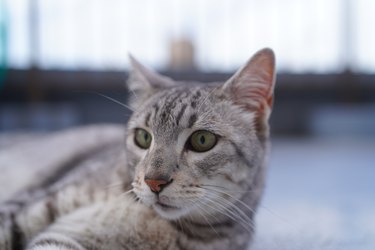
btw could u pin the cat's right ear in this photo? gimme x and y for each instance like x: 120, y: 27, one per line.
x: 252, y: 86
x: 143, y: 82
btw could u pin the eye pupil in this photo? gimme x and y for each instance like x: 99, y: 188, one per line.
x: 202, y: 139
x: 146, y: 137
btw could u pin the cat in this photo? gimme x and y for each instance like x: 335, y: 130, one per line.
x: 189, y: 174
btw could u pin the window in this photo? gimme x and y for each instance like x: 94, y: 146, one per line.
x: 308, y: 36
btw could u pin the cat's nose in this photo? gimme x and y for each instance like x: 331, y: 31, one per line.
x: 158, y: 184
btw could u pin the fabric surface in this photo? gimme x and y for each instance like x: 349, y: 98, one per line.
x: 320, y: 192
x: 26, y: 158
x: 320, y: 195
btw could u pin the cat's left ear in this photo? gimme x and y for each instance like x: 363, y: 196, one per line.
x: 252, y: 86
x: 143, y: 82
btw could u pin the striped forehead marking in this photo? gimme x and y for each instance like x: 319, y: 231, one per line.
x: 172, y: 107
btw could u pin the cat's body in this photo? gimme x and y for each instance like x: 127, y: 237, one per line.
x: 194, y: 160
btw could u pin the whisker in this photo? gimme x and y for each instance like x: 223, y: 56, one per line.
x: 249, y: 208
x: 206, y: 99
x: 224, y: 203
x: 205, y: 218
x: 231, y: 190
x: 182, y: 228
x: 125, y: 193
x: 252, y: 210
x: 277, y: 216
x: 231, y: 205
x: 238, y: 211
x: 229, y: 213
x: 236, y: 199
x: 116, y: 101
x: 133, y: 92
x: 109, y: 98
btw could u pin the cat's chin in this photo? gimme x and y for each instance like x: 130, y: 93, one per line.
x: 169, y: 212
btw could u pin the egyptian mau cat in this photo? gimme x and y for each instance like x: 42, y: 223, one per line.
x: 189, y: 175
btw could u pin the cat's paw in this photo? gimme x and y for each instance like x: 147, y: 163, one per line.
x: 54, y: 241
x: 52, y: 247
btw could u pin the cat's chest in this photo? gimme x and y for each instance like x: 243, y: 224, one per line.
x: 129, y: 223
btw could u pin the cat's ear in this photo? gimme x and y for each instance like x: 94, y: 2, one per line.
x: 252, y: 86
x: 143, y: 82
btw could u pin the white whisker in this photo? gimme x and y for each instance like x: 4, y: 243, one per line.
x: 205, y: 218
x: 125, y: 193
x: 116, y: 101
x: 206, y: 99
x: 133, y: 92
x: 229, y: 213
x: 109, y: 98
x: 236, y: 199
x: 232, y: 190
x: 236, y: 208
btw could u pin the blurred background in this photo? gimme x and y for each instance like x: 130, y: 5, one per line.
x: 54, y: 54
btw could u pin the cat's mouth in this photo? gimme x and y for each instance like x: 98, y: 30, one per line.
x: 165, y: 207
x: 168, y: 211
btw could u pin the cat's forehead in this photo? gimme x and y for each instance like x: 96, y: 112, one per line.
x: 169, y: 111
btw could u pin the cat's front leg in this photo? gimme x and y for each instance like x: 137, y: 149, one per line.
x: 118, y: 224
x: 54, y: 241
x: 5, y: 232
x: 82, y: 229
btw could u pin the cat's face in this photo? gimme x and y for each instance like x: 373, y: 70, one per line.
x: 196, y: 147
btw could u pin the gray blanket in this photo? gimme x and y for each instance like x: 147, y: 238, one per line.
x: 320, y: 193
x: 28, y: 158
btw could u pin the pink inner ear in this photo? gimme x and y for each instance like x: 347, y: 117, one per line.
x: 253, y: 92
x: 252, y: 86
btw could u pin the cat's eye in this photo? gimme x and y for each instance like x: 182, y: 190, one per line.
x: 202, y: 141
x: 142, y: 138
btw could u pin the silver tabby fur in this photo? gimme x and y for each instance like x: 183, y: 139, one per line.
x: 95, y: 197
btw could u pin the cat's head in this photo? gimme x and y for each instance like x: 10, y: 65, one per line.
x: 196, y: 147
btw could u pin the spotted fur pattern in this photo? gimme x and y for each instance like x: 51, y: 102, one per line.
x: 101, y: 200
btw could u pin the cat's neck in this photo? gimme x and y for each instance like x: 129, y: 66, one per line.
x: 204, y: 228
x: 225, y: 228
x: 211, y: 234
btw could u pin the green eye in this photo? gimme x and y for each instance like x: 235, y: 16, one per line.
x: 202, y: 141
x: 142, y: 138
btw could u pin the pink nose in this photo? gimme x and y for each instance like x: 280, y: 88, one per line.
x: 157, y: 186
